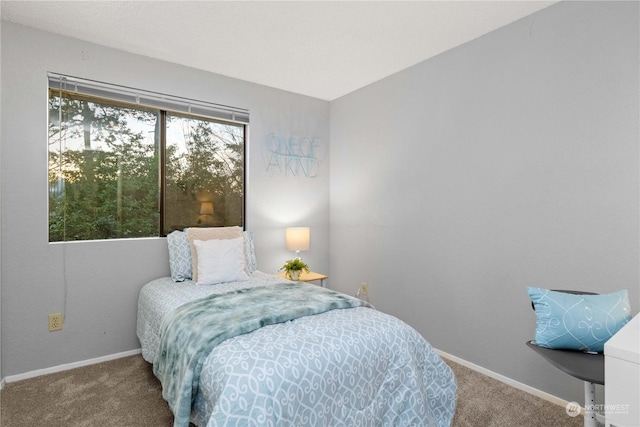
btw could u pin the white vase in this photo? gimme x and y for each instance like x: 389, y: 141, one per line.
x: 294, y: 275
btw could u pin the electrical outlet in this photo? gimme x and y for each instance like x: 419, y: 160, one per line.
x: 55, y: 322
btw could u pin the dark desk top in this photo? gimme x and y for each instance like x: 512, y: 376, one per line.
x: 585, y: 366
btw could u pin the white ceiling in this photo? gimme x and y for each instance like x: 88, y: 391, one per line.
x: 323, y: 49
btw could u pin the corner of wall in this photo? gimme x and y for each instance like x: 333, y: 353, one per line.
x: 1, y: 376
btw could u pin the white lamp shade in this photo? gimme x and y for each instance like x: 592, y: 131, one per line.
x: 297, y: 238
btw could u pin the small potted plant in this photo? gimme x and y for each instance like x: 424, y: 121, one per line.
x: 293, y: 267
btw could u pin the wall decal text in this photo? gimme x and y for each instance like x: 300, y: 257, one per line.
x: 292, y: 156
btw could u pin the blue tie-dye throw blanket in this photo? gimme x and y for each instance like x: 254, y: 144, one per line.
x: 195, y: 328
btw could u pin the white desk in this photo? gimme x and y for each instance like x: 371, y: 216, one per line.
x: 622, y: 376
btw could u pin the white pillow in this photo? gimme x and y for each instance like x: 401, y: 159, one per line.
x: 220, y: 261
x: 208, y: 233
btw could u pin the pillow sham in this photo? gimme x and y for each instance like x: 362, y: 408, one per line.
x: 251, y: 264
x: 179, y: 256
x: 220, y: 261
x: 578, y: 322
x: 208, y: 233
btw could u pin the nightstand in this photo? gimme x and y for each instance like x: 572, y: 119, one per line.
x: 307, y: 277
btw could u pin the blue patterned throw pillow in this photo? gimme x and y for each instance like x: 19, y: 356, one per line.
x: 179, y: 256
x: 578, y: 322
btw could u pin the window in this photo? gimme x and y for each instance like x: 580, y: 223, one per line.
x: 125, y: 163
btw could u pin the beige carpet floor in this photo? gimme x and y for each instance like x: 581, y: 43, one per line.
x: 125, y: 393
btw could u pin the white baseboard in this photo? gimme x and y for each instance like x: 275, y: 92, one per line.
x: 67, y: 366
x: 513, y: 383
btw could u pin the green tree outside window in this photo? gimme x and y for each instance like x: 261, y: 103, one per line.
x: 123, y: 171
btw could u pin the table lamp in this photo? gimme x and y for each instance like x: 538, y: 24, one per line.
x: 297, y: 239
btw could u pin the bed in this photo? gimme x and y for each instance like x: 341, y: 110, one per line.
x: 287, y: 354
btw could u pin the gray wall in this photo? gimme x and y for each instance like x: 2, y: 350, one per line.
x: 508, y: 162
x: 95, y: 284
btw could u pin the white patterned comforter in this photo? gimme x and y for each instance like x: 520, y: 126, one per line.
x: 348, y: 367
